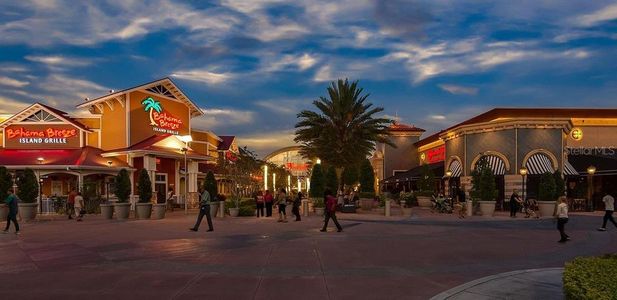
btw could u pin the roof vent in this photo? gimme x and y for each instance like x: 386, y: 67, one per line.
x: 86, y: 99
x: 111, y: 91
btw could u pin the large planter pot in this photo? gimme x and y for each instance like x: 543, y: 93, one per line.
x: 4, y: 212
x: 27, y: 211
x: 234, y: 212
x: 424, y: 201
x: 288, y: 209
x: 366, y: 204
x: 143, y: 211
x: 487, y: 208
x: 406, y: 211
x: 319, y: 211
x: 214, y: 209
x: 107, y: 210
x: 122, y: 210
x: 546, y: 208
x: 159, y: 211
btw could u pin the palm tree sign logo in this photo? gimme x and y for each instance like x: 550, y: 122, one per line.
x: 152, y: 105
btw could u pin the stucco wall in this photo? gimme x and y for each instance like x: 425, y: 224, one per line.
x: 532, y: 139
x: 499, y: 141
x: 403, y: 157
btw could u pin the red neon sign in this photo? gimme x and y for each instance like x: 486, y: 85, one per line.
x: 436, y: 154
x: 167, y: 121
x: 46, y: 133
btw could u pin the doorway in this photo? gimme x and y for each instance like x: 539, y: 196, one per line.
x: 160, y: 187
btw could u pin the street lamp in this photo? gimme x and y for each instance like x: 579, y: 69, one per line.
x: 40, y: 160
x: 318, y: 161
x: 590, y: 171
x: 523, y: 172
x: 186, y: 139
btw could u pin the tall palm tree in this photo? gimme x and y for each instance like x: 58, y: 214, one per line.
x: 343, y: 131
x: 151, y: 105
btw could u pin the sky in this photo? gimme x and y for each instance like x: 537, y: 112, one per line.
x: 252, y: 65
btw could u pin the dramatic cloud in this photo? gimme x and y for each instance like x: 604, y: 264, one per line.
x: 204, y: 76
x: 604, y: 14
x: 10, y: 106
x: 59, y: 61
x: 458, y: 89
x: 12, y: 82
x: 266, y: 143
x: 217, y: 118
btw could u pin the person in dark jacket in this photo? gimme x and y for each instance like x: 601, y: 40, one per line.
x: 296, y: 206
x: 514, y: 202
x: 11, y: 201
x: 330, y: 212
x: 204, y: 210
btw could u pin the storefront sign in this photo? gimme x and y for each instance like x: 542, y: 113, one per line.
x: 434, y: 155
x: 40, y: 136
x: 160, y: 120
x: 576, y: 134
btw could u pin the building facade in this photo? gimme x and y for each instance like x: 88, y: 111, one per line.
x: 143, y: 127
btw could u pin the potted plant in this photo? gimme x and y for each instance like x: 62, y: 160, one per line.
x: 381, y: 204
x: 212, y: 188
x: 159, y: 209
x: 28, y: 191
x: 6, y: 183
x: 406, y: 202
x: 547, y: 194
x: 235, y: 210
x: 317, y: 189
x: 123, y: 191
x: 143, y: 208
x: 426, y: 187
x: 367, y: 185
x: 484, y: 190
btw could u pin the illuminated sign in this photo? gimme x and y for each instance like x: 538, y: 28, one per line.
x: 160, y: 120
x: 576, y: 134
x: 40, y: 136
x: 434, y: 155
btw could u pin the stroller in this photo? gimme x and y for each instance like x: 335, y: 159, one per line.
x: 530, y: 206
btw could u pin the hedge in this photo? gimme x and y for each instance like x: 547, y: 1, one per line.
x: 591, y: 278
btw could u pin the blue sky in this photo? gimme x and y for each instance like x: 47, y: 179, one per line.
x: 252, y: 65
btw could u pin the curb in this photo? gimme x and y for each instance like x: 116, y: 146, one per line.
x: 461, y: 288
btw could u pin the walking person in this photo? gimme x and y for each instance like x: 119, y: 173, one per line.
x: 514, y: 201
x: 281, y: 202
x: 268, y: 200
x: 330, y: 212
x: 204, y: 210
x: 70, y: 203
x: 259, y: 203
x: 11, y: 202
x: 79, y: 207
x: 170, y: 199
x: 609, y: 207
x: 562, y: 218
x: 296, y: 206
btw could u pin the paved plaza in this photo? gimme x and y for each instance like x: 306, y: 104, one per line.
x: 249, y: 258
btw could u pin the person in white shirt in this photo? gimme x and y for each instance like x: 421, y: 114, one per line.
x: 609, y: 207
x: 79, y: 206
x: 562, y: 218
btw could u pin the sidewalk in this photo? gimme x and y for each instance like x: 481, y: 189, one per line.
x: 543, y: 284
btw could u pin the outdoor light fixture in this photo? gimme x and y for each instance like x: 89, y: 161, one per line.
x: 274, y: 181
x: 185, y: 138
x: 40, y: 160
x: 318, y: 161
x: 109, y: 163
x: 591, y: 170
x: 448, y: 173
x: 523, y: 171
x: 265, y: 177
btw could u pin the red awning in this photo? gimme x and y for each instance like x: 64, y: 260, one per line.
x: 82, y: 158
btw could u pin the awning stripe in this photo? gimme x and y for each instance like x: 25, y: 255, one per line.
x: 456, y: 168
x: 496, y: 164
x: 568, y: 169
x: 539, y: 164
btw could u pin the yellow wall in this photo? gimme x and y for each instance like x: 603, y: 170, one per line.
x: 140, y: 119
x: 1, y: 139
x: 91, y: 123
x: 93, y: 139
x: 595, y: 136
x: 113, y: 123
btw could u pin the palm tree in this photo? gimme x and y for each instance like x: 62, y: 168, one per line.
x: 344, y: 130
x: 151, y: 105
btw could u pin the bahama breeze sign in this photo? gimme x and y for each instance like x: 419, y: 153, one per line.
x: 160, y: 120
x: 41, y: 136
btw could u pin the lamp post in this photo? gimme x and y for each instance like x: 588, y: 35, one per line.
x: 186, y: 139
x: 40, y: 160
x: 448, y: 176
x: 523, y: 172
x: 590, y: 171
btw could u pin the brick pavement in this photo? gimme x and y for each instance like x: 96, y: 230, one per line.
x: 249, y: 258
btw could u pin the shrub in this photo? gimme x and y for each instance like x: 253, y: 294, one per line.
x: 591, y: 278
x: 483, y: 182
x: 547, y: 187
x: 28, y: 187
x: 350, y: 175
x: 408, y: 199
x: 123, y: 186
x: 317, y: 181
x: 367, y: 178
x: 560, y: 185
x: 6, y: 183
x: 144, y: 186
x: 211, y: 186
x: 331, y: 180
x: 246, y: 211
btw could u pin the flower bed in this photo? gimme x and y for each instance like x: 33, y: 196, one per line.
x: 591, y: 278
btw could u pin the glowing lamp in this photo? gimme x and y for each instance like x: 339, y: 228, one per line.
x: 523, y: 171
x: 591, y: 170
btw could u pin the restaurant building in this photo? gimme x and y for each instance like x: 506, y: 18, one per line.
x: 579, y: 143
x: 143, y: 127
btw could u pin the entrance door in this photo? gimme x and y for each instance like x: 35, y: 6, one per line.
x: 160, y: 187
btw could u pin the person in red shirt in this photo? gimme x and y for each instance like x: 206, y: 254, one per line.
x: 330, y: 212
x: 70, y: 204
x: 268, y: 199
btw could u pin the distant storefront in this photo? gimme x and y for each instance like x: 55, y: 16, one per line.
x: 569, y: 141
x: 144, y: 127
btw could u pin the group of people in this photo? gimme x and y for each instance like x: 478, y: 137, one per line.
x: 528, y: 205
x: 268, y: 201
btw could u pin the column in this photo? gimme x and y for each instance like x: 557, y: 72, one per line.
x: 193, y: 169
